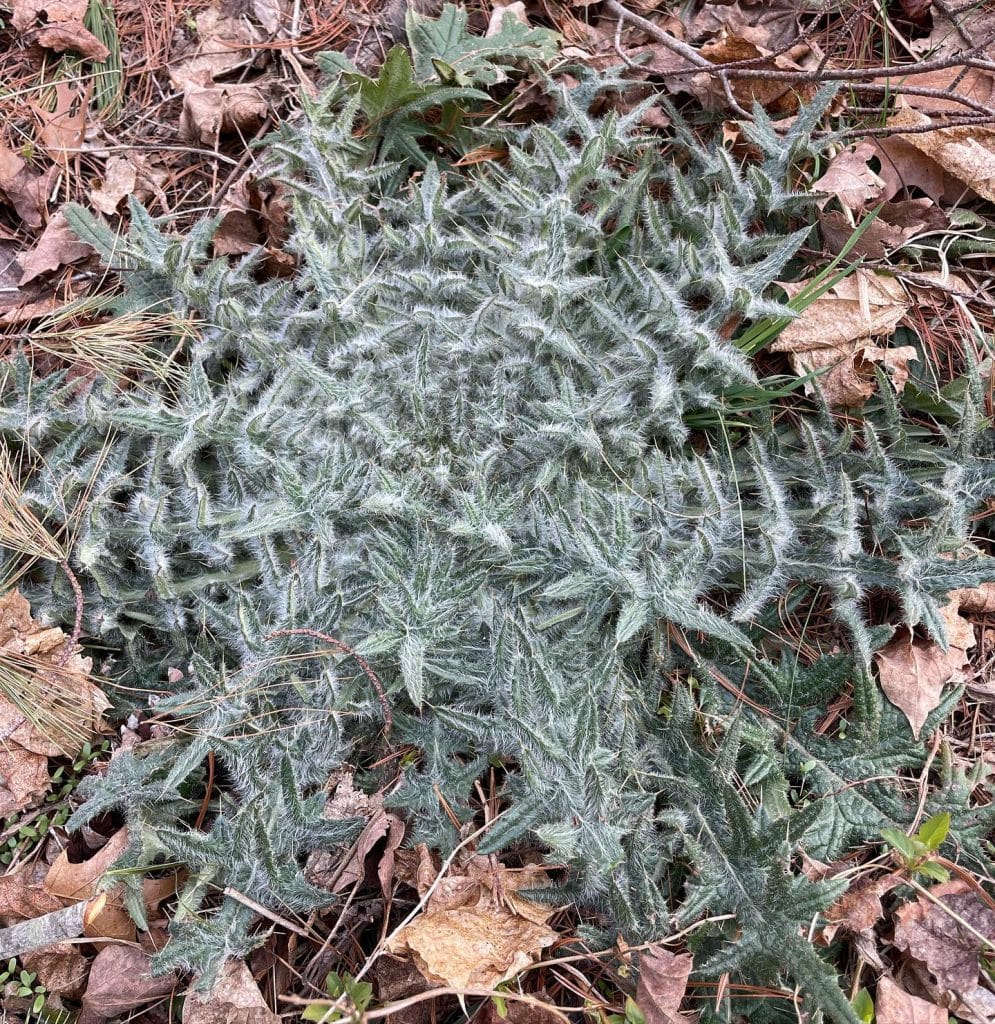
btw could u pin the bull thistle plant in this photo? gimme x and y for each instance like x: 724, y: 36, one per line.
x: 457, y: 441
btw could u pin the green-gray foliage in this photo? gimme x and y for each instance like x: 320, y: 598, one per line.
x: 456, y: 440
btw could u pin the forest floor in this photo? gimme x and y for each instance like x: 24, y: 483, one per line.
x: 168, y: 101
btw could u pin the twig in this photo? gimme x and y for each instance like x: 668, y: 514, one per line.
x: 73, y: 639
x: 691, y: 55
x: 921, y: 129
x: 208, y: 790
x: 912, y: 90
x: 952, y: 15
x: 46, y: 930
x: 268, y: 914
x: 738, y: 69
x: 360, y: 660
x: 436, y: 993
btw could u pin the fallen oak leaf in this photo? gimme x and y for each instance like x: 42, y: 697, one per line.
x: 120, y: 980
x: 61, y: 968
x: 105, y: 917
x: 62, y: 129
x: 58, y: 25
x: 967, y: 153
x: 26, y: 191
x: 24, y: 777
x: 902, y: 167
x: 218, y: 52
x: 913, y: 673
x: 72, y: 35
x: 850, y: 179
x: 773, y: 95
x: 234, y: 998
x: 57, y: 247
x: 894, y: 225
x: 23, y: 895
x: 859, y: 908
x: 978, y: 600
x: 471, y: 947
x: 215, y: 110
x: 663, y: 981
x: 120, y: 179
x: 934, y: 935
x: 970, y: 83
x: 463, y: 944
x: 893, y: 1005
x: 834, y: 336
x: 78, y: 881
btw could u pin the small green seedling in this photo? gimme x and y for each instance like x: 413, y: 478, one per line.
x: 22, y: 984
x: 863, y: 1006
x: 916, y: 851
x: 633, y: 1015
x: 354, y: 996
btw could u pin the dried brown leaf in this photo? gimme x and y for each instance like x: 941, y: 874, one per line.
x: 951, y: 33
x: 916, y: 10
x: 893, y: 1005
x: 23, y: 895
x: 913, y: 674
x: 772, y: 24
x: 850, y: 179
x: 971, y: 83
x: 233, y: 999
x: 62, y: 129
x: 120, y: 179
x: 65, y: 682
x: 894, y: 225
x: 120, y: 981
x: 29, y: 14
x: 337, y: 871
x: 72, y: 35
x: 475, y: 930
x: 106, y: 918
x: 61, y: 968
x: 24, y: 776
x: 57, y: 25
x: 57, y: 247
x: 833, y: 335
x: 72, y: 882
x: 255, y: 213
x: 978, y: 600
x: 967, y: 153
x: 472, y: 947
x: 663, y: 980
x: 219, y: 35
x: 208, y: 113
x: 933, y: 935
x: 26, y: 191
x: 62, y: 709
x: 974, y: 1007
x: 859, y: 908
x: 903, y: 167
x: 270, y: 14
x: 775, y: 96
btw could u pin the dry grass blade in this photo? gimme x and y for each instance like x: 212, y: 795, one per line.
x: 48, y: 697
x: 21, y: 531
x: 126, y: 347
